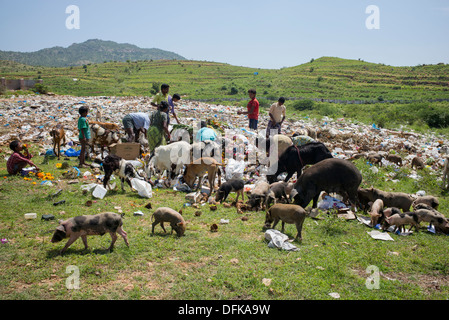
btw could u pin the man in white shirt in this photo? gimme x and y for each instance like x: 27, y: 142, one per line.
x: 277, y: 116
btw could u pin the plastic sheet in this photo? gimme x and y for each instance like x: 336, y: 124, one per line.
x: 143, y: 188
x: 279, y: 240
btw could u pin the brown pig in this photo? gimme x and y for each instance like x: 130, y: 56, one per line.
x: 429, y: 200
x: 395, y: 159
x: 83, y: 226
x: 287, y: 213
x: 418, y: 163
x: 165, y: 214
x: 399, y: 200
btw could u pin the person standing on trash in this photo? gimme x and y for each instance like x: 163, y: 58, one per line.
x: 84, y: 134
x: 161, y: 96
x: 277, y: 116
x: 253, y: 110
x: 134, y: 123
x: 158, y: 126
x: 17, y: 161
x: 171, y: 101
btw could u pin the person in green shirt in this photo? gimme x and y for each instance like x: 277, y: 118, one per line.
x: 84, y: 134
x: 158, y: 126
x: 161, y: 96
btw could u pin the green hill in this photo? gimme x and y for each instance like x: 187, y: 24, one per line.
x: 323, y: 78
x: 90, y: 51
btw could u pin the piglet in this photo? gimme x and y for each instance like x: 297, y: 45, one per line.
x: 83, y: 226
x: 227, y: 187
x: 287, y: 213
x: 401, y: 219
x: 376, y: 212
x: 259, y: 195
x: 165, y: 214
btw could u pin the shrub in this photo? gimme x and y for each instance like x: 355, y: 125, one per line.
x: 155, y: 87
x: 303, y: 105
x: 41, y: 88
x: 435, y: 117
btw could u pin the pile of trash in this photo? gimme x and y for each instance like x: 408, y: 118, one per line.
x: 30, y: 119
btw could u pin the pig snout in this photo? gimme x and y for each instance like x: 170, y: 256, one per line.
x: 59, y: 234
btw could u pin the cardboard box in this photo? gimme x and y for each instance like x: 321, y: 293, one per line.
x: 128, y: 150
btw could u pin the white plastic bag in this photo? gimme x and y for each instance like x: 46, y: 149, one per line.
x: 142, y: 187
x: 234, y: 169
x: 279, y: 240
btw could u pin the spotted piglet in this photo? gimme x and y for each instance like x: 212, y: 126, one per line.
x: 83, y: 226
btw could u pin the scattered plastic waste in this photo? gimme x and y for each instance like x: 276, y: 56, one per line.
x: 143, y: 188
x: 47, y: 217
x: 375, y: 234
x: 329, y: 202
x: 30, y: 216
x: 99, y: 192
x: 72, y: 153
x: 279, y: 240
x: 235, y: 169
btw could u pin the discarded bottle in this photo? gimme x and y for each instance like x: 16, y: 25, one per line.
x: 59, y: 202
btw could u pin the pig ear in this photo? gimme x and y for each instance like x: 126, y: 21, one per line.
x: 60, y: 228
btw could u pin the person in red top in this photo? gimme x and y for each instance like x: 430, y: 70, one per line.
x: 18, y: 161
x: 253, y: 110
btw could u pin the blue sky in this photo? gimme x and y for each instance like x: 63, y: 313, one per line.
x: 259, y: 33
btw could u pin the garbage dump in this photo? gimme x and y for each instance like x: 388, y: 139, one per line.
x: 31, y: 118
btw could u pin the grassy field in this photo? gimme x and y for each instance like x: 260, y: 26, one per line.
x: 233, y: 263
x: 323, y: 78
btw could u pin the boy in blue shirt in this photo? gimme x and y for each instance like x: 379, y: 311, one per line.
x: 84, y: 134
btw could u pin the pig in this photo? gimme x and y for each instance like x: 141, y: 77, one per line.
x: 401, y: 219
x: 429, y: 200
x: 395, y: 159
x: 294, y: 158
x: 83, y: 226
x: 165, y: 214
x: 418, y: 163
x: 390, y: 211
x: 227, y: 187
x: 287, y: 213
x: 329, y: 175
x: 375, y: 158
x: 391, y: 199
x: 376, y: 212
x: 433, y: 217
x: 259, y: 195
x: 278, y: 190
